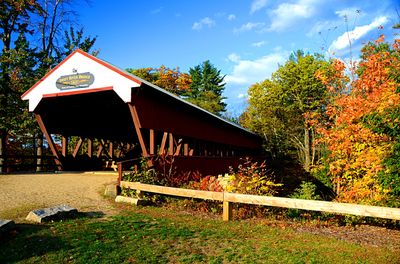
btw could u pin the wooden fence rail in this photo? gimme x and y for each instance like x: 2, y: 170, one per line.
x: 228, y: 198
x: 217, y: 196
x: 14, y: 163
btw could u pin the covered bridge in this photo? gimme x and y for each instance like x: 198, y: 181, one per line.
x: 113, y: 116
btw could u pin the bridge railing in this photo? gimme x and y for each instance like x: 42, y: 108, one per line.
x: 16, y: 163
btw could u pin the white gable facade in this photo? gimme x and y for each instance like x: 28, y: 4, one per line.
x: 81, y: 73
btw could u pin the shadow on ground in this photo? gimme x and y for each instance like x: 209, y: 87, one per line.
x: 28, y: 241
x: 95, y: 214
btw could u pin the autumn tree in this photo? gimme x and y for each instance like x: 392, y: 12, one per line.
x: 362, y: 134
x: 203, y: 86
x: 267, y: 118
x: 171, y: 80
x: 149, y: 74
x: 280, y: 108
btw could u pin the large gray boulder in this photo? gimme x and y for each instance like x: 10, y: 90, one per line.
x: 57, y: 212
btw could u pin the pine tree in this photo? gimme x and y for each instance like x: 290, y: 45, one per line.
x: 206, y: 88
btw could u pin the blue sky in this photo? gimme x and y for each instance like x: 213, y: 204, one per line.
x: 246, y: 40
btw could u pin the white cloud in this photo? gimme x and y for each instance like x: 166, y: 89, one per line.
x: 231, y: 17
x: 257, y: 5
x: 342, y: 41
x: 247, y: 72
x: 233, y: 57
x: 248, y: 26
x: 287, y: 14
x: 258, y: 44
x: 242, y: 95
x: 203, y: 22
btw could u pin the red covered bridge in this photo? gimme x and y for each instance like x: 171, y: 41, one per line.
x: 114, y: 116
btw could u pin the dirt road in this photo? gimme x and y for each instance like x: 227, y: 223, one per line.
x: 21, y: 193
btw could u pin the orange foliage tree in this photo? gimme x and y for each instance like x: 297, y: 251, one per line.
x: 171, y: 80
x: 357, y: 148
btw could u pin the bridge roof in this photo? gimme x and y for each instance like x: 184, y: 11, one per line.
x: 87, y: 96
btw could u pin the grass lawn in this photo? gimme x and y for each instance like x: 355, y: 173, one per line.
x: 158, y: 235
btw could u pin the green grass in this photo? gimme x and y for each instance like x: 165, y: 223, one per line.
x: 20, y: 212
x: 157, y: 235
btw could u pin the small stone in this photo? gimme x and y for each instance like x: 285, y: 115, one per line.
x: 6, y: 225
x: 58, y: 212
x: 135, y: 201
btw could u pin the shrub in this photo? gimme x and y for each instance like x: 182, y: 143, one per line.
x: 249, y: 178
x: 181, y: 179
x: 321, y: 173
x: 142, y: 173
x: 128, y: 192
x: 307, y: 190
x: 159, y: 171
x: 208, y: 183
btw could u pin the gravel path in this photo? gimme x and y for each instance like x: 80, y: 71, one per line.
x: 24, y: 192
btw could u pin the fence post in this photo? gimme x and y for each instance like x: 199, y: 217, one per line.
x: 227, y: 210
x: 139, y: 194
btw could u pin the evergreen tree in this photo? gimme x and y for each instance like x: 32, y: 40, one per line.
x: 14, y: 60
x: 206, y: 88
x: 75, y: 39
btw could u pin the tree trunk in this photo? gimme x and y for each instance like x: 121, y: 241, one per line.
x: 3, y: 159
x: 313, y: 148
x: 307, y: 152
x: 39, y: 153
x: 338, y: 186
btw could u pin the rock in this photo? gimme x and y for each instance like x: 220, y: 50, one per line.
x: 6, y: 225
x: 58, y: 212
x: 111, y: 190
x: 135, y: 201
